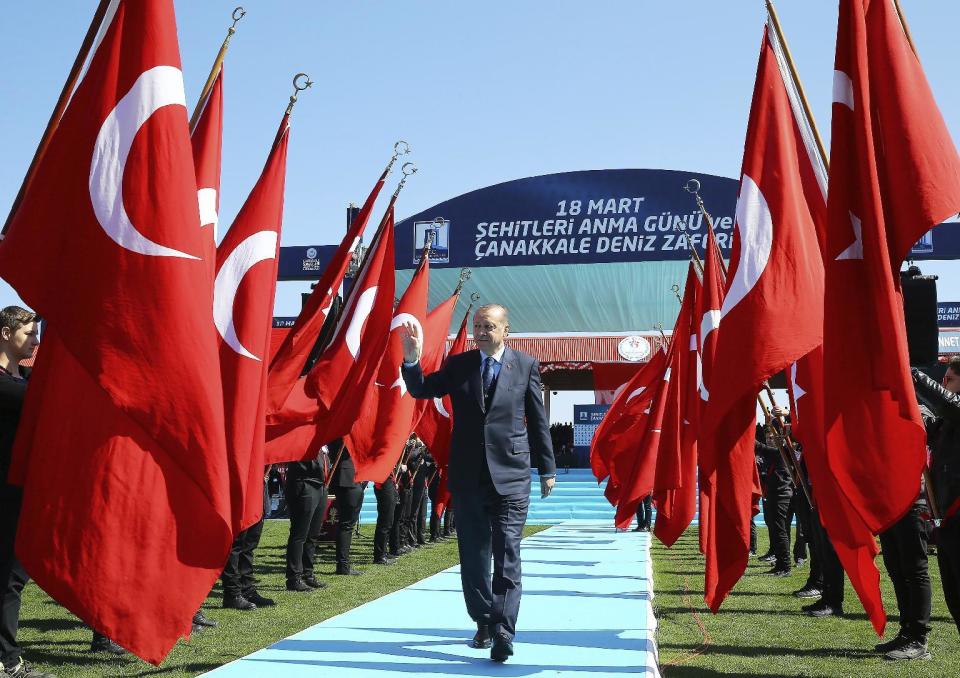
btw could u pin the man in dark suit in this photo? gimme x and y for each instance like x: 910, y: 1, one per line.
x: 499, y: 424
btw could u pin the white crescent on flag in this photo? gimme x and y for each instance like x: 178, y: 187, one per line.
x: 261, y: 246
x: 155, y: 88
x: 755, y: 226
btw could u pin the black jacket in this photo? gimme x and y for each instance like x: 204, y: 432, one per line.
x: 344, y: 471
x: 13, y: 391
x: 943, y: 438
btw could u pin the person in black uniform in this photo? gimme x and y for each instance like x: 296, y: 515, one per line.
x: 411, y: 500
x: 306, y: 492
x: 435, y: 515
x: 401, y: 512
x: 19, y: 338
x: 349, y: 499
x: 419, y: 510
x: 644, y: 514
x: 778, y: 494
x: 832, y: 591
x: 387, y: 498
x: 239, y: 585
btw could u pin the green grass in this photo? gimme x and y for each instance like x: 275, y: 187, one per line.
x: 760, y: 630
x: 54, y: 640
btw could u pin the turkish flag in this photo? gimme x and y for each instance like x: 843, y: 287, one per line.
x: 855, y: 545
x: 610, y: 378
x: 286, y: 366
x: 243, y: 295
x: 427, y: 417
x: 675, y: 484
x: 894, y: 174
x: 435, y: 427
x: 626, y: 413
x: 121, y: 444
x: 772, y: 305
x: 385, y: 419
x: 708, y: 313
x: 207, y: 142
x: 323, y: 405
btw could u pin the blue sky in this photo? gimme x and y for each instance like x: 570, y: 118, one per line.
x: 484, y: 92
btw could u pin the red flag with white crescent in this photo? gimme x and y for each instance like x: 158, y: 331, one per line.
x: 894, y: 174
x: 121, y: 445
x: 243, y: 295
x: 385, y: 419
x: 772, y: 303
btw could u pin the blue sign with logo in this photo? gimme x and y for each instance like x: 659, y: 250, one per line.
x: 304, y: 263
x: 586, y: 418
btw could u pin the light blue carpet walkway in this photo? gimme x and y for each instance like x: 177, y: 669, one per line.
x: 586, y: 612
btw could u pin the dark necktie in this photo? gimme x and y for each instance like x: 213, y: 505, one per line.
x: 487, y: 375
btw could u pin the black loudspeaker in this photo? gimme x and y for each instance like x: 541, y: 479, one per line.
x: 920, y: 313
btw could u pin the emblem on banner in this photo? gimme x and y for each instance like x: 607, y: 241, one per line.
x: 633, y: 348
x: 924, y: 245
x: 440, y: 248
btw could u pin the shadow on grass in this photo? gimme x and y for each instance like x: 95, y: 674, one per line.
x: 779, y: 651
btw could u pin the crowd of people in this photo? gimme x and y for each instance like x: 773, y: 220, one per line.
x: 321, y: 497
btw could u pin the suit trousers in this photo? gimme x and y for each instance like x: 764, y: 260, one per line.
x: 779, y: 498
x: 645, y: 512
x: 237, y: 574
x: 397, y: 534
x: 307, y: 502
x: 904, y: 548
x: 421, y: 521
x: 489, y: 527
x: 833, y: 577
x: 12, y: 575
x: 948, y: 558
x: 349, y: 501
x: 804, y: 518
x: 386, y: 506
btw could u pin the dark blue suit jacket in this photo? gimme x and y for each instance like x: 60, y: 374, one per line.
x: 511, y: 433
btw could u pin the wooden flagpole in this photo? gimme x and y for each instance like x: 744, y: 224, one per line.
x: 238, y: 14
x: 61, y: 106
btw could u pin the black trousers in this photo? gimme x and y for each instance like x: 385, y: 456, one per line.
x: 753, y: 536
x: 489, y: 527
x: 833, y: 577
x: 804, y: 518
x: 948, y: 558
x: 12, y: 575
x: 413, y: 530
x: 237, y: 574
x: 307, y: 501
x: 799, y: 536
x: 386, y: 506
x: 349, y: 501
x: 396, y: 530
x: 905, y: 556
x: 421, y: 520
x: 449, y: 521
x: 645, y: 512
x: 434, y: 521
x: 779, y: 497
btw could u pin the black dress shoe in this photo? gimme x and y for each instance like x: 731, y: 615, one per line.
x: 808, y: 592
x: 23, y: 670
x: 899, y: 641
x: 203, y: 621
x: 777, y: 572
x: 298, y: 585
x: 502, y: 647
x: 313, y: 582
x: 238, y: 603
x: 258, y: 600
x: 481, y: 641
x: 101, y: 643
x: 384, y: 560
x: 348, y: 570
x: 823, y: 610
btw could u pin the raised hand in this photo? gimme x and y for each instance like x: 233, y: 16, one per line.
x: 412, y: 342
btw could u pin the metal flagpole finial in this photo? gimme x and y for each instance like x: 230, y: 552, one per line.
x: 238, y: 14
x: 675, y: 288
x: 399, y: 148
x: 301, y: 81
x: 408, y: 169
x: 475, y: 297
x: 659, y: 327
x: 465, y: 274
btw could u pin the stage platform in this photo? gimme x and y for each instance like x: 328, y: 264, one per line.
x: 586, y: 612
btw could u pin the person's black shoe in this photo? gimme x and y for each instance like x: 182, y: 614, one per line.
x: 313, y: 582
x: 403, y: 550
x: 502, y: 647
x: 808, y: 592
x: 899, y: 641
x: 914, y: 649
x: 638, y: 528
x: 824, y: 610
x: 258, y: 600
x: 298, y: 585
x: 384, y: 560
x: 101, y: 643
x: 767, y: 558
x: 810, y: 606
x: 203, y: 621
x: 237, y: 603
x: 348, y: 570
x: 777, y: 572
x: 24, y: 670
x: 481, y: 641
x: 800, y: 562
